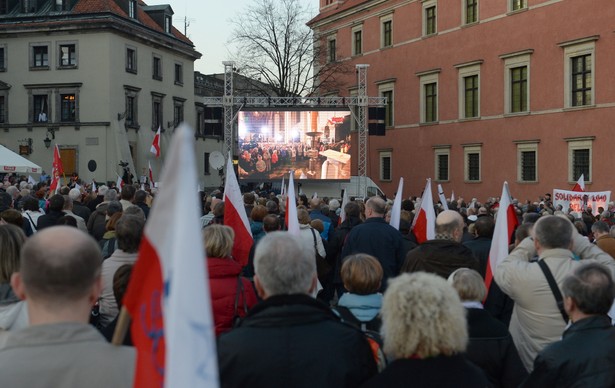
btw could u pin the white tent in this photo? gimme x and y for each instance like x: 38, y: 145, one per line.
x: 12, y: 162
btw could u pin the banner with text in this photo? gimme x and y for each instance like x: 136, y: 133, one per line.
x: 577, y: 201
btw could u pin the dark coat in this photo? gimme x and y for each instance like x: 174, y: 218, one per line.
x: 441, y: 257
x: 82, y: 211
x: 585, y: 357
x: 143, y: 206
x: 441, y: 371
x: 97, y: 224
x: 49, y: 219
x: 334, y: 248
x: 492, y: 349
x: 480, y: 247
x: 379, y: 239
x: 224, y: 288
x: 293, y: 341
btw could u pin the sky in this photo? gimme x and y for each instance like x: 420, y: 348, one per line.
x: 209, y: 27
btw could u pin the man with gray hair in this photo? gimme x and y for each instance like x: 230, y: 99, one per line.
x: 604, y: 240
x: 584, y: 356
x: 537, y: 318
x: 291, y: 339
x: 59, y: 277
x: 78, y: 207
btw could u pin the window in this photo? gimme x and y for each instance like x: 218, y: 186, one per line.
x: 131, y: 60
x: 67, y: 108
x: 157, y: 110
x: 516, y: 5
x: 62, y: 5
x: 472, y: 159
x: 40, y: 112
x: 357, y: 40
x: 213, y: 122
x: 579, y: 72
x: 389, y: 117
x: 429, y: 17
x: 385, y: 166
x: 168, y: 25
x: 527, y: 161
x: 386, y: 31
x: 580, y: 158
x: 429, y: 96
x: 179, y: 74
x: 67, y: 55
x: 469, y: 90
x: 40, y: 57
x: 517, y: 81
x: 132, y: 9
x: 178, y: 111
x: 331, y: 54
x: 28, y: 6
x: 2, y: 109
x: 2, y: 58
x: 157, y: 68
x: 3, y: 7
x: 470, y: 11
x: 132, y: 104
x: 442, y: 160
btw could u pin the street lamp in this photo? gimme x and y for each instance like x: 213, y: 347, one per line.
x: 47, y: 141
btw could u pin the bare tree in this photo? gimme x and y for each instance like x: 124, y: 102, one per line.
x: 274, y: 46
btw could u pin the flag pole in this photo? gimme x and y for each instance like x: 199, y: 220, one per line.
x: 123, y: 323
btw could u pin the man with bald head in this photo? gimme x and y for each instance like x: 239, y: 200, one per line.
x: 377, y: 238
x: 445, y: 253
x: 60, y: 279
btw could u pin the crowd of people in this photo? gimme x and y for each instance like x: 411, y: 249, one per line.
x: 349, y: 301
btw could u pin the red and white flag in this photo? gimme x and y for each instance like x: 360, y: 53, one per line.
x: 56, y: 171
x: 235, y: 216
x: 168, y: 296
x: 344, y: 203
x: 424, y: 224
x: 292, y: 223
x: 155, y: 148
x: 580, y: 185
x: 505, y: 223
x: 119, y: 183
x: 396, y: 210
x: 442, y: 197
x: 151, y: 174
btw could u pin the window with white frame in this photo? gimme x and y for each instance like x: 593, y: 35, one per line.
x: 430, y: 17
x: 469, y: 90
x: 386, y: 163
x: 527, y: 161
x: 157, y: 110
x: 469, y: 11
x: 429, y: 96
x: 132, y: 9
x: 39, y: 56
x: 67, y: 55
x: 472, y: 162
x: 442, y: 158
x: 580, y: 158
x: 357, y: 40
x: 387, y: 90
x: 132, y: 106
x: 579, y: 72
x: 157, y: 67
x: 386, y: 31
x: 517, y: 5
x: 517, y: 82
x: 131, y: 59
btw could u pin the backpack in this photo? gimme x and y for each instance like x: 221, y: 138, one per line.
x: 371, y: 331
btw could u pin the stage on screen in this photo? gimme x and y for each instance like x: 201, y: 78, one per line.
x: 315, y: 144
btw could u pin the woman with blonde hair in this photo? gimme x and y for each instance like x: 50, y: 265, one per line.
x: 425, y: 333
x: 13, y: 312
x: 231, y: 294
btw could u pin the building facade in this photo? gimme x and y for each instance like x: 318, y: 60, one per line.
x: 481, y: 92
x: 95, y: 77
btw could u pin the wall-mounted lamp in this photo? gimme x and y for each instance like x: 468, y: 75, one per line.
x: 47, y: 141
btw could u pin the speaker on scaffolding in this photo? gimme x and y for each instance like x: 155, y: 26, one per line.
x: 376, y: 121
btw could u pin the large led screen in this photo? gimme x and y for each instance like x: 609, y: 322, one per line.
x: 314, y: 144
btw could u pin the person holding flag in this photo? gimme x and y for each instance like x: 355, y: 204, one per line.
x: 56, y: 171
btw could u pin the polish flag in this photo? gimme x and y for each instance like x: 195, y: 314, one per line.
x: 505, y: 223
x: 168, y: 296
x: 424, y: 224
x: 151, y: 174
x: 442, y: 197
x: 235, y: 216
x: 345, y: 201
x: 580, y: 185
x: 56, y: 171
x: 292, y: 223
x: 155, y: 148
x: 119, y: 183
x: 396, y: 211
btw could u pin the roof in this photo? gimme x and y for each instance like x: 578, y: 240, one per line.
x: 337, y: 9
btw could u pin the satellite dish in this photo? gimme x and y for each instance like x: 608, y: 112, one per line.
x: 216, y: 160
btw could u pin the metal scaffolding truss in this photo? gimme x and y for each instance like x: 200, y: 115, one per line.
x: 360, y: 103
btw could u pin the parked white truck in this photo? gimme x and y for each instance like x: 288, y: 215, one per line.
x: 333, y: 189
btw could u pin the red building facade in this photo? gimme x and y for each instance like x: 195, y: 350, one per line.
x: 482, y: 91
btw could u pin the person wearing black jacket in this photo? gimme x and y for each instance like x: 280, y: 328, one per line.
x: 334, y: 248
x: 291, y: 339
x: 585, y: 357
x: 56, y: 203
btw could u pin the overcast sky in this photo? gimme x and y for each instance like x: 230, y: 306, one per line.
x: 209, y: 27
